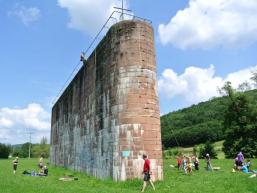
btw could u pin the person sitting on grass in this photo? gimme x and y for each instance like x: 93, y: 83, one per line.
x: 245, y: 169
x: 248, y: 164
x: 43, y: 171
x: 147, y: 173
x: 208, y: 162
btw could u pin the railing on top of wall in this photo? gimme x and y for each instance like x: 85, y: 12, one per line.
x: 95, y: 42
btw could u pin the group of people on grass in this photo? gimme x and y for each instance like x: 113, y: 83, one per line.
x: 187, y: 163
x: 242, y: 165
x: 43, y: 170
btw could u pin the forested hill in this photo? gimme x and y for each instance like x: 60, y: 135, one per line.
x: 198, y: 123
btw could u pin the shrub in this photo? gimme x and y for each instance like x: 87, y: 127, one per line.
x: 208, y: 148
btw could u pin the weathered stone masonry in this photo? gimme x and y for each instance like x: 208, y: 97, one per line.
x: 109, y: 116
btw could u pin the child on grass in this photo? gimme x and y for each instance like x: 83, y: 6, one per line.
x: 188, y: 165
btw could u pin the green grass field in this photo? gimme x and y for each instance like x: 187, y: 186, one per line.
x: 223, y: 181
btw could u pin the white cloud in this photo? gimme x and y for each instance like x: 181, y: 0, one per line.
x: 87, y: 15
x: 198, y: 84
x: 26, y: 14
x: 213, y: 23
x: 15, y: 122
x: 5, y: 122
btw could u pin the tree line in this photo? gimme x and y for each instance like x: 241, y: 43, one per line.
x: 22, y: 151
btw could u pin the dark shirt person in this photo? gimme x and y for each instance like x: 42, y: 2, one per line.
x: 45, y: 170
x: 15, y: 164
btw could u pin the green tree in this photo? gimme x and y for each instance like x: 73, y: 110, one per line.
x: 208, y: 148
x: 16, y: 152
x: 24, y: 152
x: 254, y: 78
x: 245, y: 86
x: 4, y: 151
x: 41, y: 149
x: 227, y: 90
x: 43, y: 141
x: 240, y: 126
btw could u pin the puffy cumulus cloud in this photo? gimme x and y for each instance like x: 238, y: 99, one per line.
x: 213, y: 23
x: 198, y: 84
x: 171, y: 84
x: 87, y: 15
x: 244, y: 75
x: 5, y: 122
x: 26, y: 14
x: 15, y: 122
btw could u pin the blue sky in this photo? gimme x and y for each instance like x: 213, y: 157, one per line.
x: 199, y: 45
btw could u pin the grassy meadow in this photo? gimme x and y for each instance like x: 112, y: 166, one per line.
x: 223, y: 181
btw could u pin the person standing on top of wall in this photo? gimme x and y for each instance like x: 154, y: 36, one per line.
x: 147, y: 173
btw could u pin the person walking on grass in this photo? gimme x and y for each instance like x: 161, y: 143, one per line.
x: 15, y: 164
x: 147, y: 173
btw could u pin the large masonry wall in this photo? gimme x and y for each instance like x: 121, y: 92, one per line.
x: 109, y: 114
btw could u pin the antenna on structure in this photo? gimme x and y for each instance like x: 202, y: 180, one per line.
x: 119, y: 10
x: 122, y: 10
x: 29, y: 133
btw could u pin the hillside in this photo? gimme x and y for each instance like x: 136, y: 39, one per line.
x: 198, y: 123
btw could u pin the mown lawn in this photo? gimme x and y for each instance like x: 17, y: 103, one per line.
x: 223, y: 181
